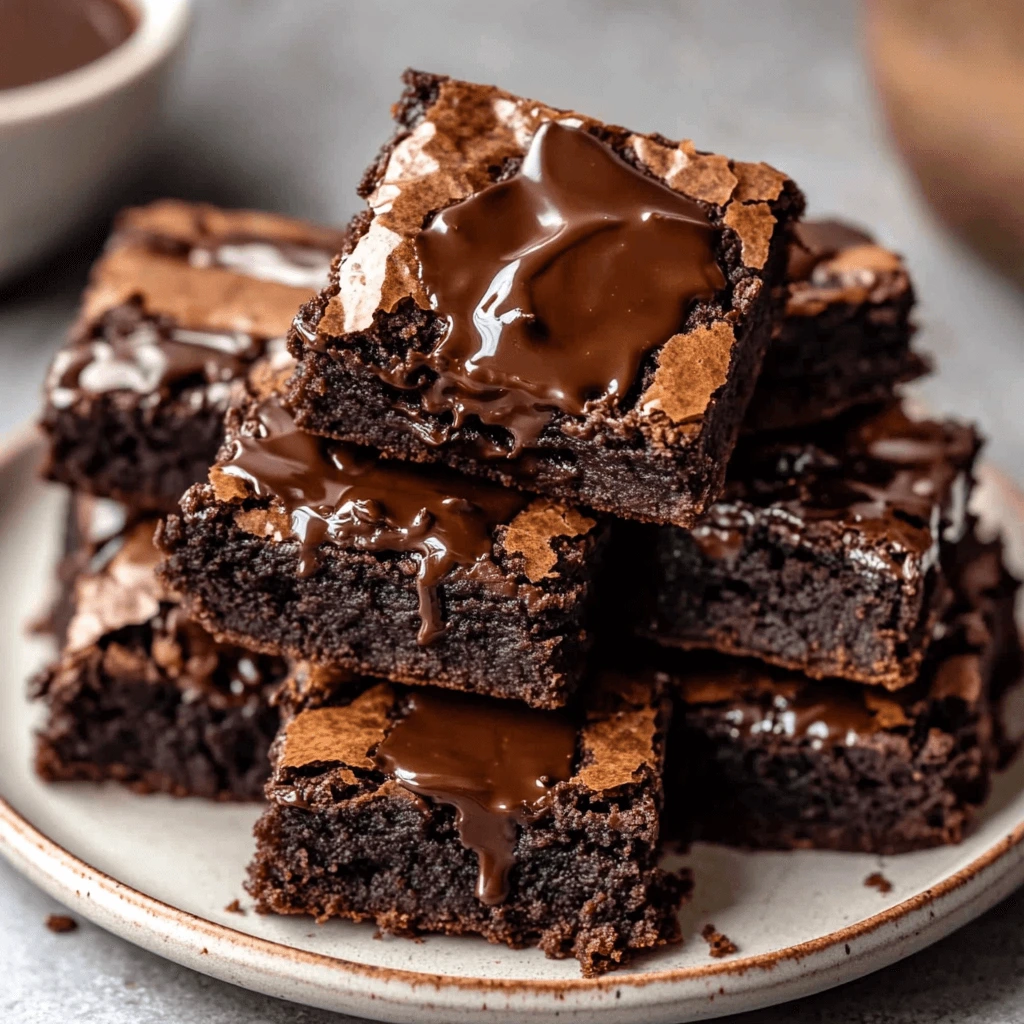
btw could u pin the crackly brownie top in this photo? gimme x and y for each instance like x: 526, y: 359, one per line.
x: 188, y: 295
x: 885, y: 485
x: 556, y: 253
x: 120, y: 590
x: 498, y: 763
x: 319, y: 491
x: 831, y: 262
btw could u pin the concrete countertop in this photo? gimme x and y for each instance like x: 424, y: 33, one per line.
x: 281, y: 104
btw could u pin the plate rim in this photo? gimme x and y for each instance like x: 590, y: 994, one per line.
x: 45, y: 862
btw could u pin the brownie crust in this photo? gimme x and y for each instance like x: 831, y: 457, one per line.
x: 515, y: 622
x: 198, y: 291
x: 767, y: 759
x: 844, y: 339
x: 823, y: 556
x: 657, y: 453
x: 341, y: 839
x: 114, y: 714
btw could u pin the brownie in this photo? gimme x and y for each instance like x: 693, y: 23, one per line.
x: 427, y: 811
x: 316, y: 549
x: 845, y: 337
x: 761, y: 757
x: 184, y: 298
x: 824, y: 553
x: 549, y: 302
x: 144, y: 696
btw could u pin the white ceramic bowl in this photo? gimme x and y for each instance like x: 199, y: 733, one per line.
x: 68, y: 143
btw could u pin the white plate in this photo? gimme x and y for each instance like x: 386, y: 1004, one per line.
x: 159, y: 872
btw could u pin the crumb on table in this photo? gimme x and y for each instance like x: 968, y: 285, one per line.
x: 876, y: 880
x: 719, y: 945
x: 60, y: 923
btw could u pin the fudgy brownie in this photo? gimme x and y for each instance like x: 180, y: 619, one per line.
x: 183, y: 300
x: 764, y: 758
x: 549, y: 302
x: 144, y: 696
x: 823, y: 555
x: 428, y: 811
x: 317, y: 549
x: 845, y: 337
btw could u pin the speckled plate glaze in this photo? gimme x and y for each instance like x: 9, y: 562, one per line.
x: 160, y: 872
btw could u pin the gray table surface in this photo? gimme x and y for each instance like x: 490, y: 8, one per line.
x: 281, y: 103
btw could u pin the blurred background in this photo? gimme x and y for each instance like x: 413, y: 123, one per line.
x: 281, y: 104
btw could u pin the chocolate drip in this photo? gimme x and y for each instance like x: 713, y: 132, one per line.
x: 555, y: 284
x: 297, y: 266
x: 336, y: 491
x: 41, y: 39
x: 493, y: 761
x: 148, y: 356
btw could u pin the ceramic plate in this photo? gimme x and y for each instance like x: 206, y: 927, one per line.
x: 159, y: 872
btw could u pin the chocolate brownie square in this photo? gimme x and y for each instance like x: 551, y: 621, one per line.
x: 316, y: 549
x: 144, y: 696
x: 183, y: 300
x: 824, y: 553
x: 761, y: 757
x: 549, y: 302
x: 845, y: 337
x: 428, y: 811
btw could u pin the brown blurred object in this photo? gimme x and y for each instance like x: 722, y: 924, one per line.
x: 951, y: 78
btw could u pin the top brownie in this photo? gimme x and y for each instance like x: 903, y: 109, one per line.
x: 183, y: 300
x: 551, y: 302
x: 844, y: 339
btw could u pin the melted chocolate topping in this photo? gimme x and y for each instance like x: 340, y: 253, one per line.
x: 148, y: 357
x: 336, y: 491
x: 493, y: 761
x: 555, y: 284
x: 285, y: 263
x: 900, y: 483
x: 817, y: 712
x: 42, y: 39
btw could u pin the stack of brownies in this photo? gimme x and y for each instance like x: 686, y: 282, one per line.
x: 579, y: 512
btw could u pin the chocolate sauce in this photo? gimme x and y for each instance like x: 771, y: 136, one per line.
x: 147, y: 356
x: 337, y: 491
x: 495, y: 762
x: 555, y: 284
x: 297, y: 266
x: 815, y: 713
x: 897, y: 481
x: 41, y: 39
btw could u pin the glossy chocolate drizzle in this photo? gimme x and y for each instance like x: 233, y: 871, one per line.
x: 554, y: 285
x: 336, y: 491
x: 150, y: 358
x: 297, y: 266
x: 895, y: 480
x: 493, y: 761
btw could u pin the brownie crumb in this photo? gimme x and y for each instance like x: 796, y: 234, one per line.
x: 719, y: 945
x: 234, y: 907
x: 878, y: 881
x: 60, y: 923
